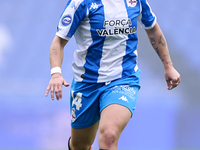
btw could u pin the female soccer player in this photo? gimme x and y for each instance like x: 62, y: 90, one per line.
x: 106, y: 76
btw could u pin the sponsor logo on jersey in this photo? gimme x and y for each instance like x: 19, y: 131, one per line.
x: 121, y: 27
x: 131, y: 3
x: 66, y: 20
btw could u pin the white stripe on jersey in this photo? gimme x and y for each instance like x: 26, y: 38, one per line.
x: 108, y: 71
x: 80, y: 55
x: 136, y: 66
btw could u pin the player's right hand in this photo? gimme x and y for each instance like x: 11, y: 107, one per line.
x: 55, y: 85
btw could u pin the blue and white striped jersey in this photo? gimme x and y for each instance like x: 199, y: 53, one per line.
x: 106, y: 34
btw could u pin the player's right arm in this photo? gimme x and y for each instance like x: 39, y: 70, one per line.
x: 56, y: 58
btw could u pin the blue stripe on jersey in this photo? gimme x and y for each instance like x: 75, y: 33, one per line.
x: 79, y: 16
x: 64, y: 11
x: 94, y: 53
x: 129, y: 60
x: 147, y: 15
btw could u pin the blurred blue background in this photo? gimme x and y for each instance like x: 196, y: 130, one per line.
x: 163, y: 120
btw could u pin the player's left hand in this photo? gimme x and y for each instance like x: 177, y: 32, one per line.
x: 172, y: 77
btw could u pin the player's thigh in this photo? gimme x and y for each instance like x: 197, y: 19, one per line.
x: 113, y: 119
x: 117, y: 104
x: 84, y: 136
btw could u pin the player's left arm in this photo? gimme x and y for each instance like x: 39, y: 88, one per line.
x: 159, y: 44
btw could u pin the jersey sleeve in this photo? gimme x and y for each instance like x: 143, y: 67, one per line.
x: 146, y: 18
x: 72, y: 16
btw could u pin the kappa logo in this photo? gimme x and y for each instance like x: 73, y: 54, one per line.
x: 131, y: 3
x: 94, y: 6
x: 73, y: 5
x: 66, y: 20
x: 124, y: 98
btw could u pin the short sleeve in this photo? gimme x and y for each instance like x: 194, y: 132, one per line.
x: 72, y: 16
x: 146, y: 18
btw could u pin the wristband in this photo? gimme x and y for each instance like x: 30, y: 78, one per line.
x: 55, y: 70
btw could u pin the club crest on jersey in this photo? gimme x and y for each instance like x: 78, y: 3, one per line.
x: 73, y: 116
x: 66, y: 20
x: 131, y: 3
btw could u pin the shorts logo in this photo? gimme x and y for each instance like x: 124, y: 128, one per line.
x: 124, y: 98
x: 126, y: 90
x: 66, y: 20
x: 73, y: 116
x: 131, y: 3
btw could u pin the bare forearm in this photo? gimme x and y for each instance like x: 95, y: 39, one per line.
x: 159, y: 44
x: 56, y: 52
x: 56, y: 58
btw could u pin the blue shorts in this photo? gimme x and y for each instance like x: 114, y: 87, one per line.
x: 87, y: 100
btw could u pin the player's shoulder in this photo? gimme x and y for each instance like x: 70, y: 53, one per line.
x: 77, y: 3
x: 87, y: 3
x: 83, y: 1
